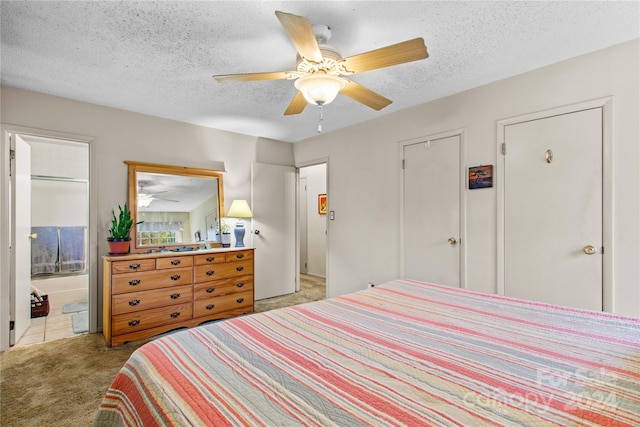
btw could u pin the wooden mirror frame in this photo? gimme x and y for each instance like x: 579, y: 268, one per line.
x: 135, y: 167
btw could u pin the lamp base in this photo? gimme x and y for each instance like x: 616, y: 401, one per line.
x: 238, y: 232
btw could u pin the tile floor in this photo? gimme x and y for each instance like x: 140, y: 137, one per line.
x: 56, y: 325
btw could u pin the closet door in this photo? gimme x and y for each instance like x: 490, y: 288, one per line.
x: 432, y: 211
x: 553, y: 204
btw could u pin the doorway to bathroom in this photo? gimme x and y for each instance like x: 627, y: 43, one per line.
x: 51, y: 202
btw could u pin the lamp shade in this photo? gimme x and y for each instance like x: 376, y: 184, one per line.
x: 239, y: 209
x: 319, y: 88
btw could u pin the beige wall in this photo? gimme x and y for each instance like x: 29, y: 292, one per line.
x: 364, y: 170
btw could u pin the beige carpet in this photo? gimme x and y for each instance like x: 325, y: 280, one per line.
x: 311, y: 289
x: 61, y: 383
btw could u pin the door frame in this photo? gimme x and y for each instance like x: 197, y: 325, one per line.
x: 302, y: 228
x: 461, y: 201
x: 606, y: 104
x: 298, y: 166
x: 7, y: 234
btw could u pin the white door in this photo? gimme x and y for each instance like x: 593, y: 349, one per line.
x: 303, y: 224
x: 21, y: 213
x: 553, y: 209
x: 432, y: 211
x: 273, y: 197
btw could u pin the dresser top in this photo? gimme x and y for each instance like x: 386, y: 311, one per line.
x: 171, y: 254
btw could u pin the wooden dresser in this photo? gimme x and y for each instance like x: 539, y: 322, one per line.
x: 148, y: 294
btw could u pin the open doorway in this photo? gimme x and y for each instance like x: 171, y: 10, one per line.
x: 54, y: 276
x: 312, y: 227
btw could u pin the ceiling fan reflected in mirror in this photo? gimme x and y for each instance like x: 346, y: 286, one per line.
x: 321, y: 72
x: 145, y: 198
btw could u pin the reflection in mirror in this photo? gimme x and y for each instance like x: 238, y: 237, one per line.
x: 181, y: 207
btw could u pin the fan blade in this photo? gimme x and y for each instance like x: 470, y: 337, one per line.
x: 365, y: 96
x: 408, y: 51
x: 277, y: 75
x: 297, y: 105
x: 301, y: 34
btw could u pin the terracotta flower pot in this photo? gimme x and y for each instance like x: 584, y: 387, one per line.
x: 119, y: 246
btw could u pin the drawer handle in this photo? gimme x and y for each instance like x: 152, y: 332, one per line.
x: 210, y: 307
x: 175, y: 262
x: 134, y: 266
x: 210, y: 290
x: 175, y: 296
x: 134, y: 302
x: 134, y: 282
x: 240, y: 256
x: 239, y: 268
x: 134, y: 323
x: 175, y: 314
x: 175, y: 277
x: 210, y: 273
x: 239, y: 285
x: 240, y: 300
x: 210, y: 259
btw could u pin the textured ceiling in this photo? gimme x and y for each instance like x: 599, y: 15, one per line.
x: 158, y: 57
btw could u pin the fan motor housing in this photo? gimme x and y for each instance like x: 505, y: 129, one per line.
x: 330, y: 57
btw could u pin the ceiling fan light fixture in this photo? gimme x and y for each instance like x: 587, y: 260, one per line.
x: 144, y: 200
x: 320, y: 88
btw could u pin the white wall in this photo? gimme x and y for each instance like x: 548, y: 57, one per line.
x: 122, y: 135
x: 316, y: 223
x: 59, y: 203
x: 364, y: 170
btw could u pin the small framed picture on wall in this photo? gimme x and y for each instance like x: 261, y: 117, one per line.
x: 322, y: 204
x: 480, y: 177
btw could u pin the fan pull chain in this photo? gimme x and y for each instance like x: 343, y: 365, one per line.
x: 320, y: 119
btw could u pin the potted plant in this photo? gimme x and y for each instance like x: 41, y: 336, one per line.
x: 119, y: 240
x: 224, y: 230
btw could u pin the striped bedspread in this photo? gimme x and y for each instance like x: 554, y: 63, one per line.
x: 401, y: 354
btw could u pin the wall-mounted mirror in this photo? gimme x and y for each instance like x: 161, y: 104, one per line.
x: 181, y: 207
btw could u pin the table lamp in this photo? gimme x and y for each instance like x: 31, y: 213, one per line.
x: 239, y: 209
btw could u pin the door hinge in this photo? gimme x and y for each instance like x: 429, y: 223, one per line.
x: 12, y: 157
x: 504, y: 149
x: 12, y: 325
x: 402, y: 163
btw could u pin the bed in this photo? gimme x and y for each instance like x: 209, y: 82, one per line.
x: 403, y: 353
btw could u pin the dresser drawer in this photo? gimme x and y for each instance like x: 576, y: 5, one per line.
x: 206, y: 259
x: 143, y: 281
x: 223, y: 303
x: 239, y: 256
x: 144, y: 300
x: 173, y: 262
x: 223, y: 287
x: 206, y: 273
x: 118, y: 267
x: 139, y: 320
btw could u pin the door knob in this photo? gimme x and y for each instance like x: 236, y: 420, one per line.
x: 257, y: 232
x: 452, y: 240
x: 33, y: 236
x: 589, y: 250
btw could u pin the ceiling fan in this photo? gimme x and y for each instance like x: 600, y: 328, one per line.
x: 321, y: 71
